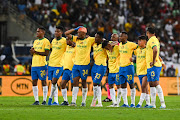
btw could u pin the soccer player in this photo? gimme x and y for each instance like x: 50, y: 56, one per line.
x: 141, y: 69
x: 99, y: 68
x: 113, y: 76
x: 81, y: 62
x: 154, y: 67
x: 55, y: 67
x: 39, y: 51
x: 126, y: 70
x: 67, y: 75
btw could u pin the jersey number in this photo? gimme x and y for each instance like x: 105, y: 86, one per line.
x: 85, y: 72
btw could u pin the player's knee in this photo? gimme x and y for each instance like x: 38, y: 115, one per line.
x: 131, y: 86
x: 34, y: 82
x: 84, y: 83
x: 111, y: 86
x: 124, y: 85
x: 63, y: 84
x: 44, y: 83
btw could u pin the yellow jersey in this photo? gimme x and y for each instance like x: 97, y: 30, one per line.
x: 82, y: 50
x: 69, y: 57
x: 40, y: 45
x: 113, y: 61
x: 153, y: 41
x: 58, y: 49
x: 100, y: 55
x: 141, y: 67
x: 126, y: 51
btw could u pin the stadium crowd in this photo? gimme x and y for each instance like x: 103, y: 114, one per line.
x: 111, y: 16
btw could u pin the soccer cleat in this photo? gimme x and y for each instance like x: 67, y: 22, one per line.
x: 93, y: 104
x: 146, y: 106
x: 113, y: 105
x: 50, y: 101
x: 43, y: 103
x: 124, y: 105
x: 83, y: 104
x: 99, y: 105
x: 107, y: 100
x: 132, y: 106
x: 162, y: 107
x: 55, y: 103
x: 36, y: 103
x: 150, y: 106
x: 72, y: 104
x: 64, y: 103
x: 138, y: 106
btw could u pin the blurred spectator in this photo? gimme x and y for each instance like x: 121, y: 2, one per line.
x: 6, y: 68
x: 52, y: 29
x: 19, y: 69
x: 27, y: 68
x: 170, y: 71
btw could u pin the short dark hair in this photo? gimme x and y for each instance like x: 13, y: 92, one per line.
x: 60, y: 27
x: 42, y: 28
x: 142, y: 37
x: 124, y: 32
x: 152, y: 30
x: 101, y: 34
x: 105, y: 43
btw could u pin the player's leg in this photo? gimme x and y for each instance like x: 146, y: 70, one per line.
x: 112, y: 79
x: 65, y: 79
x: 147, y: 98
x: 84, y: 71
x: 150, y: 76
x: 123, y: 82
x: 57, y: 72
x: 42, y: 74
x: 34, y: 76
x: 143, y: 82
x: 76, y: 77
x: 97, y: 82
x: 117, y: 82
x: 130, y: 78
x: 108, y: 99
x: 93, y: 74
x: 158, y: 87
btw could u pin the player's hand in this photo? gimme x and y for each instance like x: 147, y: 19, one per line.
x: 78, y: 28
x: 73, y: 44
x: 152, y: 64
x: 131, y: 59
x: 32, y: 51
x: 164, y: 66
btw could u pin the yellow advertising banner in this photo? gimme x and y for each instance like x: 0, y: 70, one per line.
x: 22, y: 86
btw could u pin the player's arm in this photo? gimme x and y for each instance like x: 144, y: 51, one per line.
x: 154, y: 55
x: 68, y: 33
x: 32, y: 51
x: 163, y: 64
x: 46, y: 53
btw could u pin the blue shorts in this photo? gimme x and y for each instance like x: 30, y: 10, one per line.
x: 113, y: 78
x: 126, y: 74
x: 97, y: 73
x: 67, y: 75
x: 153, y: 74
x: 54, y: 72
x: 39, y: 73
x: 80, y: 71
x: 141, y: 78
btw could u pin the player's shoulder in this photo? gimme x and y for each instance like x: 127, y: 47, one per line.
x: 129, y: 42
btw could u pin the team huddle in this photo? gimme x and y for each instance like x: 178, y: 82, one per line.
x: 70, y: 56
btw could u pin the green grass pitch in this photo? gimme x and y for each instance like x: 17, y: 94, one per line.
x: 20, y: 108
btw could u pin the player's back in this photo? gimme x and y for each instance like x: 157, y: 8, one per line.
x: 152, y: 42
